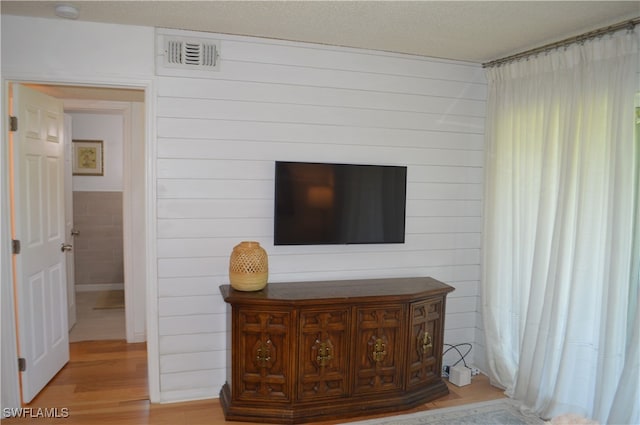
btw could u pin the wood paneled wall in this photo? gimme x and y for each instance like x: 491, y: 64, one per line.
x: 218, y: 138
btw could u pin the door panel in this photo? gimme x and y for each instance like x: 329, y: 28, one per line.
x: 323, y: 368
x: 378, y: 362
x: 425, y: 342
x: 263, y: 338
x: 37, y: 213
x: 53, y: 169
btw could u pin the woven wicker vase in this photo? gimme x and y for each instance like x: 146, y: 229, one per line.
x: 248, y: 267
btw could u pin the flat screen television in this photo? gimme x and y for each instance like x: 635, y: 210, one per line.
x: 323, y: 203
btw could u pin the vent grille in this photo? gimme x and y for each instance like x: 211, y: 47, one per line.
x: 190, y: 54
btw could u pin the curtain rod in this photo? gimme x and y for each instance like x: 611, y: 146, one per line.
x: 629, y: 25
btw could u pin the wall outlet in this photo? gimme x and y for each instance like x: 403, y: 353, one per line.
x: 445, y: 371
x: 474, y: 371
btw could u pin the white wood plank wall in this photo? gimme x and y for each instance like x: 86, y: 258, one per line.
x: 218, y: 138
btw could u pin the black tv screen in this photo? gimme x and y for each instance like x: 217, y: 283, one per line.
x: 321, y: 203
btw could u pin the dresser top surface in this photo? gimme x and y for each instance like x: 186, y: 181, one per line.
x: 336, y: 290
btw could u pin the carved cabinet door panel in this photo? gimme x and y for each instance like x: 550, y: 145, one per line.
x: 263, y: 355
x: 378, y: 359
x: 323, y: 353
x: 424, y: 357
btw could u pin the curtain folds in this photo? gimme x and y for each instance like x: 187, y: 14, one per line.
x: 560, y: 197
x: 626, y: 404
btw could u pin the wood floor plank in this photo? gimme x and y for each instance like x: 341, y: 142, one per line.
x: 105, y: 383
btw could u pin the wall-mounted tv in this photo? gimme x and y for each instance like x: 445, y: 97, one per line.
x: 324, y: 203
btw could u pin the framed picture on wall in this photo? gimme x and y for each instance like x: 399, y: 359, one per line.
x: 87, y: 158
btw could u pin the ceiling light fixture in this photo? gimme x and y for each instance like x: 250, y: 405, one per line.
x: 67, y: 11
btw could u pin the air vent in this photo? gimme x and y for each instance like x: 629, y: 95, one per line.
x: 190, y: 53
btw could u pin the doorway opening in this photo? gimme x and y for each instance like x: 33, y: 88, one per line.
x: 124, y: 147
x: 96, y: 223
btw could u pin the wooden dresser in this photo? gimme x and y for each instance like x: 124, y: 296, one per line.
x: 309, y: 351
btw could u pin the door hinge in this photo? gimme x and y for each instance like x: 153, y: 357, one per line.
x: 22, y: 364
x: 15, y: 246
x: 13, y: 123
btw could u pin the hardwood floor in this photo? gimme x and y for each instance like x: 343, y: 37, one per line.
x: 106, y: 383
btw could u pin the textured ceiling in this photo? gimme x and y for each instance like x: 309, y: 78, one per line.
x: 475, y: 31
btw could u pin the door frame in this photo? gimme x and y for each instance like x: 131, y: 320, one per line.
x: 9, y: 353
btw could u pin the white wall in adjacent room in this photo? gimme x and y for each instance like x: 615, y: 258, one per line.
x: 107, y: 128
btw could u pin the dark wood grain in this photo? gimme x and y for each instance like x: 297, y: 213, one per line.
x: 333, y: 291
x: 310, y: 351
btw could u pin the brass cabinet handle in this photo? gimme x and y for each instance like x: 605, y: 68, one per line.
x: 263, y: 354
x: 379, y: 350
x: 324, y: 354
x: 426, y: 342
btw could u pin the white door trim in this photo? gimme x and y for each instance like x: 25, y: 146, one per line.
x: 10, y: 390
x: 10, y: 386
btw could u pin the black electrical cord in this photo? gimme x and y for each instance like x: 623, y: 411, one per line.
x: 462, y: 356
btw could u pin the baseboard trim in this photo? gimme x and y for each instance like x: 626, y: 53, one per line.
x: 138, y: 337
x: 180, y: 396
x: 88, y: 287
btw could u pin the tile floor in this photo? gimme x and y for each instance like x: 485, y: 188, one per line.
x: 92, y: 324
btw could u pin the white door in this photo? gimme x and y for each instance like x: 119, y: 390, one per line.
x: 69, y: 231
x: 37, y: 212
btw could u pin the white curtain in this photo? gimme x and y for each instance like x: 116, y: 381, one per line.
x: 561, y: 189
